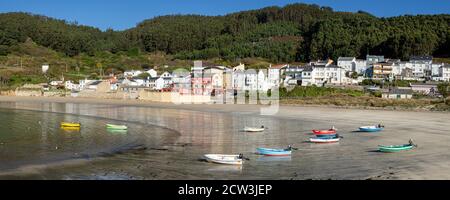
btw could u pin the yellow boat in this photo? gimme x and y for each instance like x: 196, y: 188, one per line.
x: 70, y: 124
x: 70, y: 129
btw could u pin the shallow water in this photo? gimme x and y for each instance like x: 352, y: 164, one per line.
x: 36, y: 137
x: 174, y: 141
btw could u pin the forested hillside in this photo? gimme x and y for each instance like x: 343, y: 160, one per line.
x: 296, y: 32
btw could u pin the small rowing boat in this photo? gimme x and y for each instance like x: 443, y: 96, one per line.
x: 371, y: 128
x: 254, y: 129
x: 117, y: 131
x: 70, y: 129
x: 397, y: 148
x: 324, y: 140
x: 117, y: 127
x: 70, y: 124
x: 225, y: 159
x: 328, y: 136
x: 275, y: 152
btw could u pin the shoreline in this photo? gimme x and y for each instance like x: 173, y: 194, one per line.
x: 214, y: 128
x: 194, y: 106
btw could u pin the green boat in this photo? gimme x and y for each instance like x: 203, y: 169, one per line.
x: 116, y: 131
x: 397, y: 148
x: 116, y: 127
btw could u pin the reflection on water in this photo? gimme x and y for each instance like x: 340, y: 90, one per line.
x: 224, y: 168
x: 169, y: 154
x: 30, y: 137
x: 116, y: 131
x: 71, y: 129
x: 274, y: 158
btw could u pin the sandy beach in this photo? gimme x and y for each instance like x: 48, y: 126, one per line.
x: 200, y: 129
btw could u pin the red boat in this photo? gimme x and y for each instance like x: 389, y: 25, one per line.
x: 324, y: 132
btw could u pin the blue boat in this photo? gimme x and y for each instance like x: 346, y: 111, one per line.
x: 333, y: 136
x: 274, y: 152
x: 371, y: 128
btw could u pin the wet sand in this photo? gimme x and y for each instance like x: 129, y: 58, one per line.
x: 201, y: 129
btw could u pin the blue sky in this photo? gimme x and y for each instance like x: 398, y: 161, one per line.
x: 123, y: 14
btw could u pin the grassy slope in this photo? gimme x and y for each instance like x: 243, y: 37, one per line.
x: 26, y: 60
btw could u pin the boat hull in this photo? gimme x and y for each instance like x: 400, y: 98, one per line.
x: 117, y: 127
x: 248, y: 129
x: 324, y: 132
x: 370, y: 129
x: 332, y: 136
x: 273, y: 152
x: 224, y: 159
x: 66, y: 124
x: 321, y: 140
x: 391, y: 149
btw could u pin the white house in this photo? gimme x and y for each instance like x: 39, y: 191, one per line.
x: 69, y: 85
x: 83, y: 83
x: 166, y: 75
x: 132, y: 73
x: 360, y: 66
x: 262, y: 81
x: 351, y: 64
x: 435, y: 68
x: 307, y: 76
x: 293, y: 74
x: 274, y: 75
x: 153, y: 73
x: 238, y: 79
x: 141, y: 82
x: 444, y: 73
x: 321, y: 74
x: 398, y: 93
x: 56, y: 83
x: 347, y: 63
x: 251, y: 80
x: 239, y: 67
x: 159, y: 83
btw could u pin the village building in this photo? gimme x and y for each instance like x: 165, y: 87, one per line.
x: 274, y: 75
x: 132, y: 73
x: 320, y: 75
x: 444, y: 73
x: 238, y: 79
x: 425, y: 88
x: 371, y: 59
x: 70, y: 85
x: 293, y: 75
x: 347, y: 63
x: 398, y: 93
x: 153, y: 73
x: 381, y: 70
x: 251, y: 80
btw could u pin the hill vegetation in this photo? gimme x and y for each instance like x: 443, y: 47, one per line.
x: 294, y: 33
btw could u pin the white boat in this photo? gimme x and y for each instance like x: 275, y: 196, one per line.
x: 224, y: 159
x: 324, y: 140
x: 254, y: 129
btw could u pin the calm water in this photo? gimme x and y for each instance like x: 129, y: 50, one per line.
x: 35, y: 137
x: 174, y: 140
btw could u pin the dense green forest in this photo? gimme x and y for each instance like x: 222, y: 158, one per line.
x: 296, y: 32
